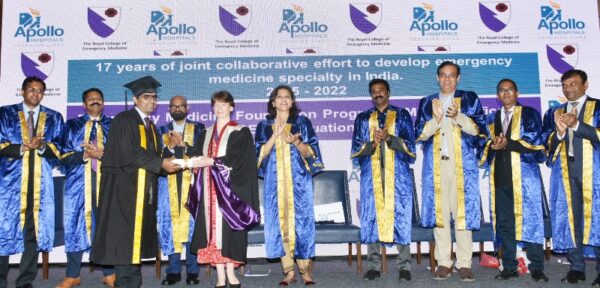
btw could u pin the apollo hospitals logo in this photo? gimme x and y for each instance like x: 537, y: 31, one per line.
x: 424, y: 21
x: 293, y: 24
x: 495, y: 15
x: 31, y: 29
x: 235, y: 19
x: 562, y: 57
x: 365, y: 17
x: 552, y: 20
x: 103, y: 21
x: 162, y: 26
x: 37, y: 64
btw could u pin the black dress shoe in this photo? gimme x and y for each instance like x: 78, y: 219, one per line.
x: 192, y: 279
x: 171, y: 279
x: 371, y: 274
x: 538, y: 276
x: 574, y: 277
x: 404, y: 275
x: 507, y: 274
x: 28, y: 285
x: 596, y: 282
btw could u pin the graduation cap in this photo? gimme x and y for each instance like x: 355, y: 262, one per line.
x: 142, y: 85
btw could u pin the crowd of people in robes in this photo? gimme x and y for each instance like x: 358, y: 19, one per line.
x: 134, y: 189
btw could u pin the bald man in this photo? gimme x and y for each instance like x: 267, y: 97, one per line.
x: 174, y: 222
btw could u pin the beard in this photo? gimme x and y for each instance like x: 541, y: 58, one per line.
x: 178, y: 116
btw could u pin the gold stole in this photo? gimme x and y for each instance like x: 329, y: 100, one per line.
x: 384, y: 192
x: 87, y: 172
x: 37, y: 170
x: 140, y: 197
x: 180, y: 222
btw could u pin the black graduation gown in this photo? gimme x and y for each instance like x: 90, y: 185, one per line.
x: 241, y: 157
x: 121, y: 211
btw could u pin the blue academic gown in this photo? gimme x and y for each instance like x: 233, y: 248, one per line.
x: 525, y: 129
x: 561, y: 210
x: 385, y: 217
x: 175, y: 224
x: 79, y: 219
x: 14, y: 171
x: 301, y: 169
x: 465, y: 147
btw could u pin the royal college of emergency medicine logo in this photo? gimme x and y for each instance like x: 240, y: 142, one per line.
x: 31, y: 29
x: 103, y: 21
x: 555, y: 21
x: 235, y: 19
x: 163, y: 26
x: 294, y: 24
x: 365, y: 17
x: 427, y: 24
x: 495, y: 15
x: 562, y: 57
x: 37, y: 64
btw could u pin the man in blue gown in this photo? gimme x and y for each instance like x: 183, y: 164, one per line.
x: 83, y: 146
x: 383, y: 145
x: 29, y: 149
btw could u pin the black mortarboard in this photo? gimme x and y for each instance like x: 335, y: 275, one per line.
x: 142, y: 85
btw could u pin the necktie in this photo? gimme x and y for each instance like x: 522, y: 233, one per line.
x: 149, y: 134
x: 150, y: 147
x: 94, y: 141
x: 573, y: 105
x: 505, y: 122
x: 30, y: 124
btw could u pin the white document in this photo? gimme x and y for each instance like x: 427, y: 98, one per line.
x: 331, y: 212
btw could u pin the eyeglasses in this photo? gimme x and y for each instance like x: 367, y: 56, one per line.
x: 33, y: 90
x: 508, y: 90
x: 573, y: 84
x: 444, y: 75
x: 149, y: 97
x: 177, y: 107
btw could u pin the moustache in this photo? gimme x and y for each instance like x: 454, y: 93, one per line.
x: 95, y: 104
x: 377, y: 97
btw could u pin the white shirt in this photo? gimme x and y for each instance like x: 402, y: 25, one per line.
x: 142, y: 114
x: 178, y: 128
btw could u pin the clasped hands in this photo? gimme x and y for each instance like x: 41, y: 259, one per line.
x: 287, y: 137
x: 175, y: 140
x: 91, y: 151
x: 380, y: 135
x: 499, y: 142
x: 37, y: 142
x: 565, y: 120
x: 438, y: 110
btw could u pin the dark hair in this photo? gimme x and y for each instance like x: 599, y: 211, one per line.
x: 223, y: 96
x: 379, y: 81
x: 31, y: 79
x: 507, y: 80
x: 574, y: 72
x: 88, y: 91
x: 272, y: 111
x: 448, y: 63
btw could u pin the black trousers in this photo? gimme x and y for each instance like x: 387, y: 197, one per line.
x: 505, y: 227
x: 128, y: 276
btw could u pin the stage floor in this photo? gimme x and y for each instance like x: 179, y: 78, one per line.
x: 334, y: 272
